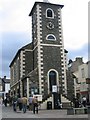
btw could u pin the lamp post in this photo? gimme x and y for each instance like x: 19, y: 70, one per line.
x: 59, y: 92
x: 19, y: 89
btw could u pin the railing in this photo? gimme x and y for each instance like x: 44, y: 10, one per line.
x: 67, y: 97
x: 46, y: 97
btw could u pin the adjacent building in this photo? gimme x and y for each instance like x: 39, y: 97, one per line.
x: 20, y: 67
x: 80, y: 84
x: 5, y: 86
x: 0, y: 88
x: 73, y: 84
x: 84, y: 77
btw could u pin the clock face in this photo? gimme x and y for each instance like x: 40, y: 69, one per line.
x: 50, y: 25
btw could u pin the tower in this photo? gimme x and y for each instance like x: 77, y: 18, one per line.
x: 48, y: 48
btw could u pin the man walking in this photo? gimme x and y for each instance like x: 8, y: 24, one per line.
x: 30, y: 102
x: 20, y: 103
x: 24, y: 104
x: 35, y: 105
x: 15, y: 103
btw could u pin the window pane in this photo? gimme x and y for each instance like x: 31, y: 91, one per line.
x: 83, y: 73
x: 49, y: 13
x: 51, y: 37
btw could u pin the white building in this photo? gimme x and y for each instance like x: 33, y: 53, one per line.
x: 82, y: 74
x: 5, y: 86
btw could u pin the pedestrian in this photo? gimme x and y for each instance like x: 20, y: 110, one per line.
x: 24, y: 104
x: 10, y: 101
x: 5, y: 102
x: 15, y: 103
x: 35, y: 104
x: 20, y: 103
x: 1, y: 101
x: 76, y: 103
x: 84, y: 101
x: 30, y: 102
x: 59, y: 104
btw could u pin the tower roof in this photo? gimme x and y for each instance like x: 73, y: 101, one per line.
x: 44, y: 3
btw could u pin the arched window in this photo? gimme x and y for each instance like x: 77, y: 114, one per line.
x: 51, y: 37
x: 49, y: 13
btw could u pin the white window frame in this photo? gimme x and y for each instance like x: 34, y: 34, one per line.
x: 51, y: 39
x: 52, y: 13
x: 57, y: 78
x: 83, y: 72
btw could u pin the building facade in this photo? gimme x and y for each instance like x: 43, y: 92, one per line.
x: 41, y: 68
x: 48, y: 40
x: 5, y: 87
x: 83, y: 76
x: 82, y: 85
x: 0, y: 88
x: 20, y: 66
x: 73, y: 84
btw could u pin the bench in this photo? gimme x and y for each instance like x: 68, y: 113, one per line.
x: 83, y: 110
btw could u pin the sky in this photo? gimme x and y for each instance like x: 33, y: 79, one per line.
x: 16, y: 31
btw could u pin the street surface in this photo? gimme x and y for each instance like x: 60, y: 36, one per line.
x: 7, y: 112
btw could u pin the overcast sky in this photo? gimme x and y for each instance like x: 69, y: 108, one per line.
x: 15, y: 28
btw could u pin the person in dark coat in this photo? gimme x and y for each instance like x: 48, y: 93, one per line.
x: 15, y: 103
x: 19, y: 100
x: 35, y: 104
x: 5, y: 102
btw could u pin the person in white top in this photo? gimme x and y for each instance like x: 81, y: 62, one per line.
x: 84, y: 101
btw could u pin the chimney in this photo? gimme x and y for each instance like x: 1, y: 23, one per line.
x: 46, y: 1
x: 79, y: 59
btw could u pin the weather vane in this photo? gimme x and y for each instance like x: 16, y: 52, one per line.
x: 45, y: 1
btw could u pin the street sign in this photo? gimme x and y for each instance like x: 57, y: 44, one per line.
x: 54, y: 88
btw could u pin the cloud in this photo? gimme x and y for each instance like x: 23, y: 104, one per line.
x: 11, y: 43
x: 75, y: 24
x: 15, y: 28
x: 14, y: 15
x: 82, y: 52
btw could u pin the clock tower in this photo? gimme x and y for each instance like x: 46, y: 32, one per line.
x: 48, y: 47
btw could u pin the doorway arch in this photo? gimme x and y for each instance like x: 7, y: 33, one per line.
x: 52, y: 79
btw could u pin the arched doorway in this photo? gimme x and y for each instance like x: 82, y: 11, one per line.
x: 52, y: 79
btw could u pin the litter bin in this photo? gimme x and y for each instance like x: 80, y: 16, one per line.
x: 49, y: 105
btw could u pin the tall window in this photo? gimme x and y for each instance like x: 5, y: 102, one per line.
x: 49, y: 13
x: 52, y: 79
x: 83, y: 73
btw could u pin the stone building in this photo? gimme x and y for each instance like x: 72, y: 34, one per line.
x: 78, y: 79
x: 73, y: 85
x: 20, y: 66
x: 40, y: 67
x: 74, y: 64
